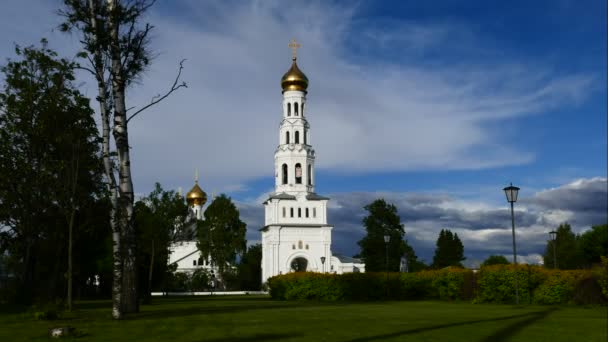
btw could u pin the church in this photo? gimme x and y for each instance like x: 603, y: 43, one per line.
x: 296, y: 236
x: 185, y: 254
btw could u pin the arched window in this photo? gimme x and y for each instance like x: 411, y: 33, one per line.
x: 287, y: 137
x: 306, y: 246
x: 295, y: 108
x: 297, y: 137
x: 293, y: 246
x: 304, y: 136
x: 306, y: 212
x: 193, y: 262
x: 284, y: 173
x: 284, y: 211
x: 309, y: 174
x: 288, y: 109
x: 299, y: 212
x: 314, y: 212
x: 302, y: 109
x: 291, y: 212
x: 298, y: 173
x: 300, y: 244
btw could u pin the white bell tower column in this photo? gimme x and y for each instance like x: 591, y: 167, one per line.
x: 296, y: 234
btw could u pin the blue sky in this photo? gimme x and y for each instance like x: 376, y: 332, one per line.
x: 434, y: 106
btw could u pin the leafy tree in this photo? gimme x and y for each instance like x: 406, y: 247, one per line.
x: 384, y: 220
x: 593, y: 244
x: 200, y: 280
x: 566, y: 247
x: 495, y: 260
x: 116, y: 47
x: 449, y: 251
x: 159, y: 220
x: 221, y: 236
x: 50, y: 172
x: 250, y: 269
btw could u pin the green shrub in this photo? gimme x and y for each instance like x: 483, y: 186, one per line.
x: 493, y: 284
x: 556, y: 289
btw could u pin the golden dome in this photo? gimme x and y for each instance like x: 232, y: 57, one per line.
x: 196, y: 196
x: 294, y: 79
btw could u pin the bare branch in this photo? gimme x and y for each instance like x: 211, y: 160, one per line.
x: 158, y: 98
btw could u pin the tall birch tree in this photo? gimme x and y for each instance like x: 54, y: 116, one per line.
x: 115, y: 46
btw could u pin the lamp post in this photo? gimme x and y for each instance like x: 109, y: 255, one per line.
x: 387, y: 239
x: 511, y: 192
x: 553, y: 235
x: 322, y: 264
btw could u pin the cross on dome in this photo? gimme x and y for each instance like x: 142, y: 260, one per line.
x: 294, y: 46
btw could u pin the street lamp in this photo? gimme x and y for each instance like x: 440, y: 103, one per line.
x: 387, y: 239
x: 323, y: 264
x: 511, y: 192
x: 553, y: 235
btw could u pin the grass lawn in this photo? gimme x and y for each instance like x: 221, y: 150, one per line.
x: 253, y: 318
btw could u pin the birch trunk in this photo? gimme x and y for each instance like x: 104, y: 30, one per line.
x: 125, y: 185
x: 99, y: 68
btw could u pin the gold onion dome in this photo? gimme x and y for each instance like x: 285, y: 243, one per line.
x: 294, y: 79
x: 196, y: 196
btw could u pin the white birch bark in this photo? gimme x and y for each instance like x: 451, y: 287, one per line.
x: 125, y: 181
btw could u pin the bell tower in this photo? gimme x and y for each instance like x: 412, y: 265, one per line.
x: 296, y: 236
x: 294, y: 156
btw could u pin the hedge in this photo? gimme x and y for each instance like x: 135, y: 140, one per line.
x: 492, y: 284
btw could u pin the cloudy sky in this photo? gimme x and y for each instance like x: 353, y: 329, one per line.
x: 434, y: 107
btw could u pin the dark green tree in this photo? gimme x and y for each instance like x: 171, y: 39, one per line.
x: 383, y: 220
x: 495, y: 260
x: 50, y: 172
x: 593, y: 244
x: 221, y: 235
x: 250, y: 269
x: 449, y: 251
x: 566, y: 247
x: 160, y: 218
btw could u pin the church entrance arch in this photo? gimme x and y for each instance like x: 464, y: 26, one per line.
x: 299, y: 264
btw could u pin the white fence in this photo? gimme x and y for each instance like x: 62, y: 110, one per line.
x: 214, y: 293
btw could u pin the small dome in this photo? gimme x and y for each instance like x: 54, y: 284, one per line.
x: 294, y: 79
x: 196, y: 196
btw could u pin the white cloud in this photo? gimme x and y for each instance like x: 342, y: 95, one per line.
x: 367, y: 114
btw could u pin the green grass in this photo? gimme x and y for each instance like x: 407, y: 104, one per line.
x: 262, y: 319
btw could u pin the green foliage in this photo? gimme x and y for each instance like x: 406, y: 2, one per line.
x: 603, y: 276
x: 221, y: 236
x: 557, y: 288
x: 567, y: 249
x: 383, y: 219
x: 449, y: 251
x: 445, y: 284
x: 250, y: 269
x: 593, y: 244
x: 200, y: 280
x: 160, y: 219
x: 492, y: 284
x: 50, y: 168
x: 495, y: 260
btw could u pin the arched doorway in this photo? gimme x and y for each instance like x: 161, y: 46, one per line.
x: 299, y: 264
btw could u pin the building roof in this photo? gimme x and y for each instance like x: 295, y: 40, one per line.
x: 345, y: 259
x: 295, y: 225
x: 314, y: 197
x: 282, y: 196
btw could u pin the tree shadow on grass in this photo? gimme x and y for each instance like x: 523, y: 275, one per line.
x: 219, y: 309
x: 500, y: 335
x: 512, y: 329
x: 256, y: 337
